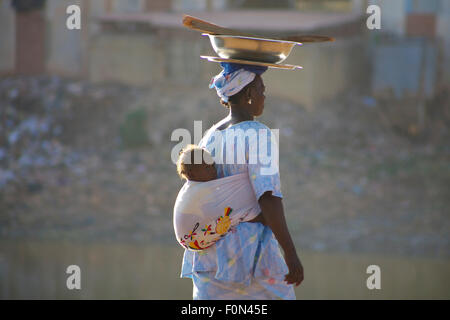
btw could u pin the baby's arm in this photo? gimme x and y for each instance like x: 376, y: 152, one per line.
x: 273, y: 214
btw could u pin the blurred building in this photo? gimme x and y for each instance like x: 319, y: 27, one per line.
x: 142, y: 42
x: 415, y: 57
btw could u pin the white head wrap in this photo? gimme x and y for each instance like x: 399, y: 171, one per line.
x: 232, y: 83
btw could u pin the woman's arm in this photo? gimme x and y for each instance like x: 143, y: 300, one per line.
x: 273, y: 213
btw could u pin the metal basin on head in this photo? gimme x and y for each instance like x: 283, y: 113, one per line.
x: 248, y: 48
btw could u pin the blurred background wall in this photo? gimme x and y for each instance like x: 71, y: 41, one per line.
x: 162, y: 50
x: 159, y: 49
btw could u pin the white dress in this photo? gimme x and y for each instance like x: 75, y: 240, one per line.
x: 247, y: 263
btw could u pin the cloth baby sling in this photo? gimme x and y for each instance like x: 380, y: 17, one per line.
x: 204, y: 212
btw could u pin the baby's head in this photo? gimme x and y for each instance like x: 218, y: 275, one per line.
x: 188, y: 169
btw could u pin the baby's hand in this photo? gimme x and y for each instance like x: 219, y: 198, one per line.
x: 295, y: 275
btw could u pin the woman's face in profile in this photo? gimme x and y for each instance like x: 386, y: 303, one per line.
x: 257, y: 96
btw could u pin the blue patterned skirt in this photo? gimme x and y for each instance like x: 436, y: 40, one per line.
x: 246, y: 264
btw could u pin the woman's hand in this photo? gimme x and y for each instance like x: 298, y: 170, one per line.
x: 295, y: 275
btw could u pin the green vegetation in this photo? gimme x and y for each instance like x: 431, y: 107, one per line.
x: 133, y: 131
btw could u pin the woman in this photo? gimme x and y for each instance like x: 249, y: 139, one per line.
x: 247, y: 262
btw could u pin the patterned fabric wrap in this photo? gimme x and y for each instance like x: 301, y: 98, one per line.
x: 230, y: 84
x: 205, y: 211
x: 247, y: 263
x: 233, y: 78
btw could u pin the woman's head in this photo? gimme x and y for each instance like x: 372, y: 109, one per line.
x: 251, y: 97
x: 241, y: 86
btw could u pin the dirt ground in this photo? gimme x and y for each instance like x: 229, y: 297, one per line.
x: 354, y: 178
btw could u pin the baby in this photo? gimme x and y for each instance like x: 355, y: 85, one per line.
x: 204, y: 171
x: 189, y: 170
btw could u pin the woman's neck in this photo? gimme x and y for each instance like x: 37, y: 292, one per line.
x: 238, y: 114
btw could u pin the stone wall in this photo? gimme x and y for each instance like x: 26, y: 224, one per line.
x: 173, y: 57
x: 135, y: 59
x: 65, y: 48
x: 7, y: 36
x: 329, y: 69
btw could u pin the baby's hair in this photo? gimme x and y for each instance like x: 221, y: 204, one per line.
x: 187, y: 158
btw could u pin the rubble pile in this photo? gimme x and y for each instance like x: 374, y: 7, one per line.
x: 40, y: 122
x: 83, y: 161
